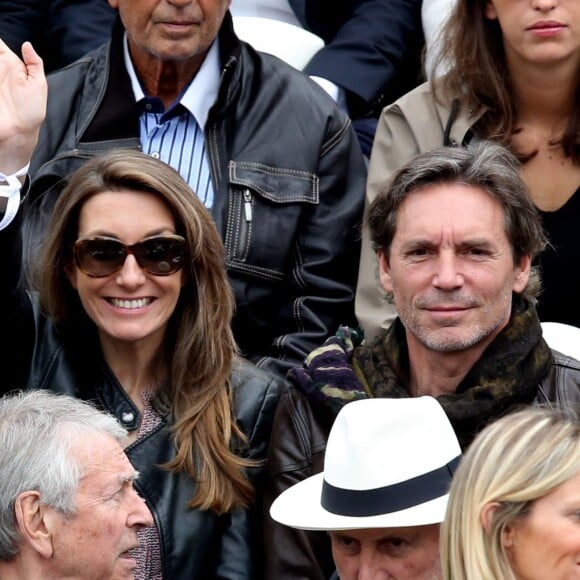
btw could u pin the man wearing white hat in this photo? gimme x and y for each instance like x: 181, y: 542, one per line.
x: 384, y: 489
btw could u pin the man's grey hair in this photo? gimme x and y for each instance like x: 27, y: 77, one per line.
x: 38, y: 429
x: 485, y: 165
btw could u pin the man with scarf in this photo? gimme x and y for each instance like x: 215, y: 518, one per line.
x: 456, y: 235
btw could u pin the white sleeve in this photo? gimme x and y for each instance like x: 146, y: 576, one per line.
x: 10, y: 187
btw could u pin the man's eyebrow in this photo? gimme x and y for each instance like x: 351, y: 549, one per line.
x: 122, y: 479
x: 392, y: 535
x: 417, y: 243
x: 467, y: 243
x: 340, y: 534
x: 477, y: 243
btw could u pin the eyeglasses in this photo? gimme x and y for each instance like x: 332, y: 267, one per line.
x: 101, y: 256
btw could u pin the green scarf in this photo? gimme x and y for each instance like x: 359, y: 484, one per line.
x: 507, y: 374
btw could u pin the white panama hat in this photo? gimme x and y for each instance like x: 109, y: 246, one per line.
x: 388, y: 463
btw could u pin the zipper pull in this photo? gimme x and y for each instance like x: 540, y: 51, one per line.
x: 248, y: 205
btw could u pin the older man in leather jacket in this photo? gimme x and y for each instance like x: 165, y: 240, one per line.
x: 277, y: 163
x: 456, y: 233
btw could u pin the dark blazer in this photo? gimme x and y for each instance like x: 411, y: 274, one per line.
x: 60, y: 30
x: 373, y: 48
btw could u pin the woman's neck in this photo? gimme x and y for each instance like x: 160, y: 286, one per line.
x: 544, y: 97
x: 137, y: 366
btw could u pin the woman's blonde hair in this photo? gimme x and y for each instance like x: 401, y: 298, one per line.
x: 200, y: 349
x: 514, y: 461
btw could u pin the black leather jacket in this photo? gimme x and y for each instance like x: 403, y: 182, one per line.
x: 288, y: 174
x: 297, y: 452
x: 195, y: 544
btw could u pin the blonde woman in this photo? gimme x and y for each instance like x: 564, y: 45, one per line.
x: 514, y: 505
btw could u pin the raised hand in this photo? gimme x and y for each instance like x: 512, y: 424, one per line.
x: 23, y: 94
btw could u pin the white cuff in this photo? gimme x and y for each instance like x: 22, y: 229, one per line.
x: 10, y: 195
x: 328, y: 86
x: 336, y: 92
x: 9, y: 203
x: 12, y: 179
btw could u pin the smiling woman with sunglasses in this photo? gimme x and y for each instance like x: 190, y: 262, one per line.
x: 133, y: 310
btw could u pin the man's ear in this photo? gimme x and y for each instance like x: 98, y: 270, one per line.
x: 33, y: 519
x: 384, y: 271
x: 523, y: 270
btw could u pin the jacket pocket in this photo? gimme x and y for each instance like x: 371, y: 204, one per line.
x: 265, y: 207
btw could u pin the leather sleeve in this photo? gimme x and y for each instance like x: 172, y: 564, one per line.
x: 239, y: 550
x: 256, y: 395
x: 562, y: 385
x: 322, y: 275
x: 296, y: 452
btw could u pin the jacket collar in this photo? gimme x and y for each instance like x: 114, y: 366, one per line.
x: 116, y: 114
x: 457, y: 122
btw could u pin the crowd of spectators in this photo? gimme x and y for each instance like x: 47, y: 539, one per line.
x: 224, y: 249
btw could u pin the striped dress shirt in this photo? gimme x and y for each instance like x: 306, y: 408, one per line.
x: 176, y: 135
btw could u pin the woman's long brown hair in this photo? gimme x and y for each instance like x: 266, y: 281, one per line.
x: 200, y: 349
x: 479, y: 77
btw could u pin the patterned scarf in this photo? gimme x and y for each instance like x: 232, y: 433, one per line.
x: 507, y: 374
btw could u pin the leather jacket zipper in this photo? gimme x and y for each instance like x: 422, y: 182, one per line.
x: 248, y: 205
x: 245, y: 225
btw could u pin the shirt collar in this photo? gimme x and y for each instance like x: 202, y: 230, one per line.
x: 201, y: 93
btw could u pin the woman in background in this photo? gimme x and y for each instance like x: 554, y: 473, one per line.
x: 514, y: 505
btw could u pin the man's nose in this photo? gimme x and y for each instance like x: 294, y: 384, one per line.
x: 140, y: 514
x: 448, y: 274
x: 370, y: 566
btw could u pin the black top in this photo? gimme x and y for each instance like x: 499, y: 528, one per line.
x: 560, y: 264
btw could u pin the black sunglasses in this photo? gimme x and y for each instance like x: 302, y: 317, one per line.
x: 101, y: 256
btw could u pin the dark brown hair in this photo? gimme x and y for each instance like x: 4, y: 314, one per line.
x: 203, y: 352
